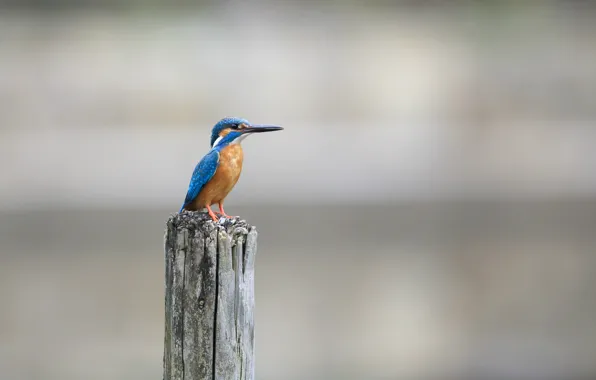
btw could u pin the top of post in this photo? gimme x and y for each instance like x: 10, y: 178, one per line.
x: 194, y: 220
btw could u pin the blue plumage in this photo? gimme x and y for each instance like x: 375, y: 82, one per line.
x: 206, y: 168
x: 203, y: 172
x: 226, y: 122
x: 229, y: 130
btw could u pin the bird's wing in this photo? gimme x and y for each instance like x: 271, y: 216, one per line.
x: 203, y: 172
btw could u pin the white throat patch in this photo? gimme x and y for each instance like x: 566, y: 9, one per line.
x: 239, y: 139
x: 217, y: 141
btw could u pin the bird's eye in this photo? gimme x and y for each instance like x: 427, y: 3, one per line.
x: 234, y: 126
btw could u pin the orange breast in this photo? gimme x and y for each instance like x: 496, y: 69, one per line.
x: 224, y: 179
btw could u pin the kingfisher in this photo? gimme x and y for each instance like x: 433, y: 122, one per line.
x: 219, y: 170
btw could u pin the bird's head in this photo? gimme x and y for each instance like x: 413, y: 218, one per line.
x: 232, y: 130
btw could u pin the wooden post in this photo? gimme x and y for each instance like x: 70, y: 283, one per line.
x: 209, y: 298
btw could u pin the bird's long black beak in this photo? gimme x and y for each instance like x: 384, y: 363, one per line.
x: 261, y: 128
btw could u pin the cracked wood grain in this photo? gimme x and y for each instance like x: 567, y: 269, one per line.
x: 209, y: 298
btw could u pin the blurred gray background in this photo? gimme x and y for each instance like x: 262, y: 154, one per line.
x: 428, y: 212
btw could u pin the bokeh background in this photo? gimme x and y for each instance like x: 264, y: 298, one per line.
x: 429, y: 211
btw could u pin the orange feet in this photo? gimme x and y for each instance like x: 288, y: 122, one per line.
x: 212, y: 214
x: 221, y: 209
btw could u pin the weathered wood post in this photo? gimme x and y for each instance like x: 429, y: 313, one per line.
x: 209, y: 298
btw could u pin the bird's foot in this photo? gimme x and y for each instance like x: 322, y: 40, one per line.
x: 226, y: 215
x: 223, y: 213
x: 212, y: 214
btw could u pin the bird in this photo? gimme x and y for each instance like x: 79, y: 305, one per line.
x: 218, y: 171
